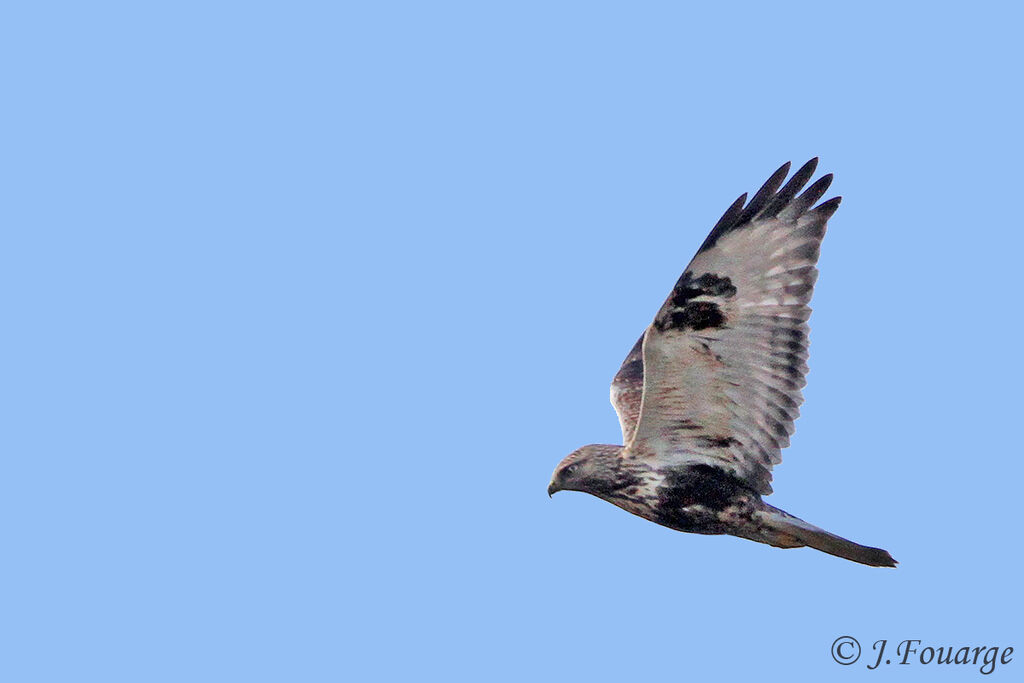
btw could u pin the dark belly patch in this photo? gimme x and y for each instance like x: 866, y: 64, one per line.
x: 692, y: 498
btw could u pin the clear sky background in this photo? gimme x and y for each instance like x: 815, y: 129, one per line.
x: 304, y: 302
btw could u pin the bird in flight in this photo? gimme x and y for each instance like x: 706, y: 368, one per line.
x: 707, y: 396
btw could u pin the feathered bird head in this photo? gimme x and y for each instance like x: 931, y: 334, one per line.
x: 594, y: 469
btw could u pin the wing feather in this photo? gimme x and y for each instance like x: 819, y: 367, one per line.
x: 628, y: 389
x: 717, y: 377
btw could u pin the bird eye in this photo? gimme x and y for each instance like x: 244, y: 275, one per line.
x: 571, y: 469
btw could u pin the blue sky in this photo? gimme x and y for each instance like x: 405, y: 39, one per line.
x: 304, y: 302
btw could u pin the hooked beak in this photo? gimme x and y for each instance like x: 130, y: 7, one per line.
x: 553, y: 489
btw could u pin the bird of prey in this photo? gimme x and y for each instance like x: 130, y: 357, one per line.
x: 707, y: 396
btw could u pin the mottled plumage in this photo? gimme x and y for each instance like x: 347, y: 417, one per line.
x: 707, y: 396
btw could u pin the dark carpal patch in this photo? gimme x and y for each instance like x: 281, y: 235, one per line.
x: 682, y: 311
x: 716, y: 285
x: 709, y: 284
x: 698, y: 315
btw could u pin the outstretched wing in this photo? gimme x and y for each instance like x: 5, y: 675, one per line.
x: 723, y: 362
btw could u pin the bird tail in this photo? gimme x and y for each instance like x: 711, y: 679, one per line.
x: 806, y: 534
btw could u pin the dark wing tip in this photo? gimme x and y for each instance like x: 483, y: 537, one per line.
x: 732, y: 213
x: 812, y: 194
x: 765, y: 194
x: 770, y: 201
x: 825, y: 210
x: 791, y: 190
x: 728, y: 221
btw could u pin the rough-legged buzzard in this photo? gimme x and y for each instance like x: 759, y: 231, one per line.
x: 708, y: 394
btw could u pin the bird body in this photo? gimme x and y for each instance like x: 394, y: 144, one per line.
x: 707, y: 396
